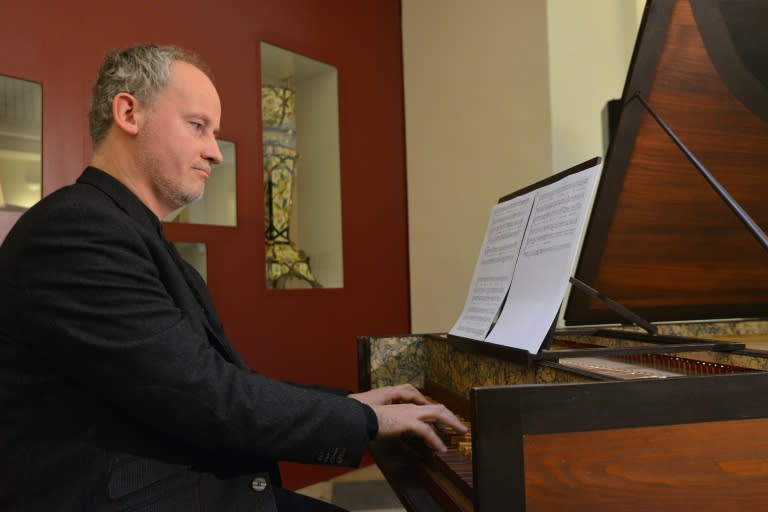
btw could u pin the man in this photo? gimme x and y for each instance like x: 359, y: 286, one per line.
x: 118, y: 387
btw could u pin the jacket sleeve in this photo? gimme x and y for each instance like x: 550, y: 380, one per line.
x: 95, y: 304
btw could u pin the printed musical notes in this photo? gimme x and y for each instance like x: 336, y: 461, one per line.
x: 494, y: 268
x: 527, y: 257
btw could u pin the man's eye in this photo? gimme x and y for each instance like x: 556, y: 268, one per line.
x: 196, y: 125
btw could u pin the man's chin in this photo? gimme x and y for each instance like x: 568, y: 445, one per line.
x: 193, y: 198
x: 182, y: 200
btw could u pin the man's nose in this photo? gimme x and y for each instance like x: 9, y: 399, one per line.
x: 213, y: 152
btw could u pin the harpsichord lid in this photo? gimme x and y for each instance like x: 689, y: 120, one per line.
x: 660, y: 240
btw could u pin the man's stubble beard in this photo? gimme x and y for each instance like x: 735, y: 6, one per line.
x: 162, y: 186
x: 170, y: 192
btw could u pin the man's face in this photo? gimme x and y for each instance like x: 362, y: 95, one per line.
x: 176, y: 141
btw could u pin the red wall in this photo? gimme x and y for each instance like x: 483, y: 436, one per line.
x: 302, y: 335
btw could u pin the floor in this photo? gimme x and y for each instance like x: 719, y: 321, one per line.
x: 362, y: 490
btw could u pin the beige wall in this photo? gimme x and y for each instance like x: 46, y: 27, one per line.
x: 477, y: 127
x: 590, y: 46
x: 498, y: 94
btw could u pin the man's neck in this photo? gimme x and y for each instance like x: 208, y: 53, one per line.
x: 123, y: 168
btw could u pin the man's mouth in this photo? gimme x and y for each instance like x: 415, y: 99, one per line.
x: 204, y: 170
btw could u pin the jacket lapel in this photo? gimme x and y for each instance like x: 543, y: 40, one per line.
x: 210, y: 319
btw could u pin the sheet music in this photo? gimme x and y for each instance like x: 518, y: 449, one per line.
x: 546, y: 261
x: 494, y: 268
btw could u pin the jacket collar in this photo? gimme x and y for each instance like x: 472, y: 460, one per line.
x: 121, y: 195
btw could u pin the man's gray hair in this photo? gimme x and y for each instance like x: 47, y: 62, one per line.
x: 142, y: 71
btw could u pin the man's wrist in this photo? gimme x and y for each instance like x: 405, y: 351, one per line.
x: 371, y: 422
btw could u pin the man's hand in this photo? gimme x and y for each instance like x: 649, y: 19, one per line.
x: 403, y: 408
x: 403, y: 393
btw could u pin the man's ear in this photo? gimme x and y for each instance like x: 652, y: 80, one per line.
x: 125, y: 112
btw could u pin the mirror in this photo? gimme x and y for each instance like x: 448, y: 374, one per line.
x: 21, y: 117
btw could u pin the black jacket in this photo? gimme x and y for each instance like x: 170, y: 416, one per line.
x: 118, y: 387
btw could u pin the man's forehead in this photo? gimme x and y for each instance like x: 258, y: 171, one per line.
x: 186, y: 74
x: 182, y: 66
x: 193, y: 87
